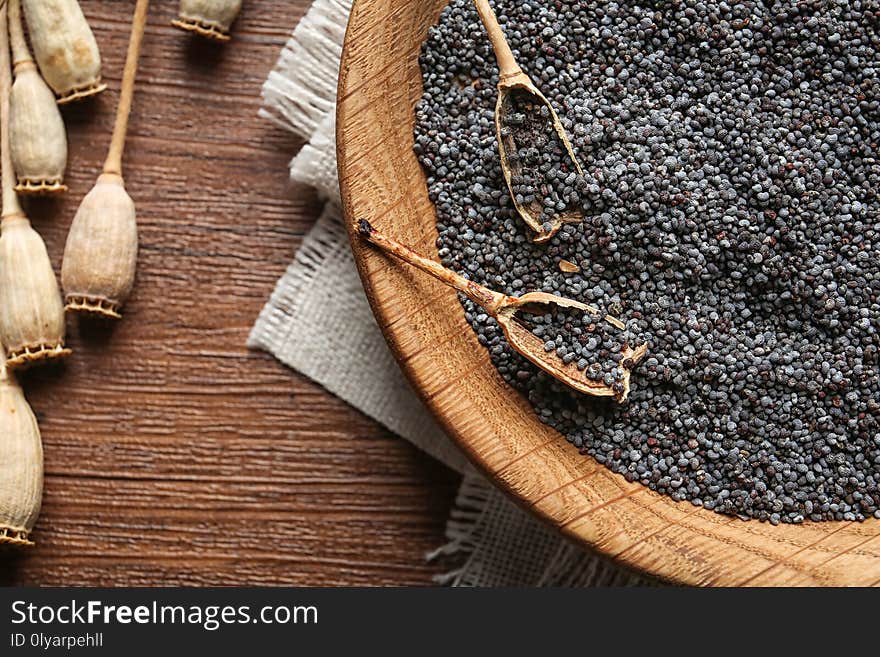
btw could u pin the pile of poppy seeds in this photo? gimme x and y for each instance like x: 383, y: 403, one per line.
x: 731, y: 214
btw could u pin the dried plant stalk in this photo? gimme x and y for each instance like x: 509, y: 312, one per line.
x: 21, y: 462
x: 38, y: 138
x: 31, y: 312
x: 209, y: 18
x: 100, y: 257
x: 65, y: 48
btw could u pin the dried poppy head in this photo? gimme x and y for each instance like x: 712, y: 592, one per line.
x: 65, y: 48
x: 31, y: 313
x: 38, y: 138
x: 100, y: 257
x: 209, y: 18
x: 21, y: 463
x: 101, y: 252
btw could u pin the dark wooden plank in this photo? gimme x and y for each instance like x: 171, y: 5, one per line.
x: 174, y: 455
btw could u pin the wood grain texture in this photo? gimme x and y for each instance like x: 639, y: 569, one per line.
x: 424, y: 323
x: 174, y: 455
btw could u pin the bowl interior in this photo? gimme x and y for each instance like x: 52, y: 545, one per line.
x: 381, y: 180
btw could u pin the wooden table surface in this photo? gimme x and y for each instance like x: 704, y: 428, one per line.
x: 173, y: 454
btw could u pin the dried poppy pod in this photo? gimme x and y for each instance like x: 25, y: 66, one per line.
x: 65, y: 48
x: 21, y: 463
x: 100, y: 257
x: 515, y: 87
x: 38, y: 138
x: 209, y: 18
x: 101, y: 253
x: 31, y: 313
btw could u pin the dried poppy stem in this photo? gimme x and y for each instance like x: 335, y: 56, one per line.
x: 31, y: 313
x: 21, y: 462
x: 65, y: 48
x: 38, y: 137
x: 113, y: 163
x: 100, y: 257
x: 208, y: 18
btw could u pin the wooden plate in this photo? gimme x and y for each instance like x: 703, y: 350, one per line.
x: 423, y: 322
